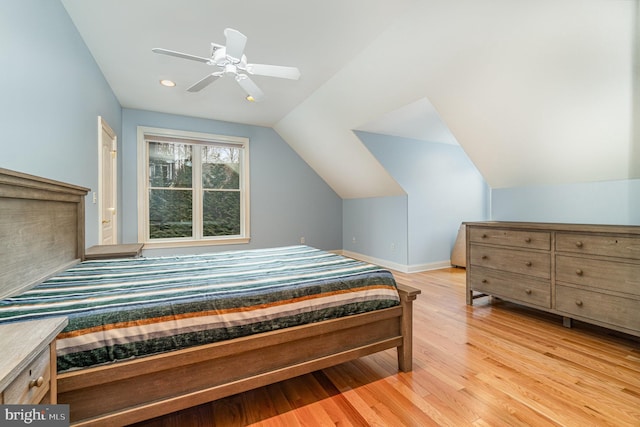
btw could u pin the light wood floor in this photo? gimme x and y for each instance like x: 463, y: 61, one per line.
x: 488, y: 365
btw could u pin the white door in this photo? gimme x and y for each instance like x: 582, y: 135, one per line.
x: 108, y: 144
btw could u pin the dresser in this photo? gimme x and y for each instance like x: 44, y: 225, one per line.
x: 28, y: 361
x: 584, y: 272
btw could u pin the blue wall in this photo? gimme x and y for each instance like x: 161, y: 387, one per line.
x: 288, y: 199
x: 51, y: 95
x: 608, y: 202
x: 378, y: 228
x: 443, y: 189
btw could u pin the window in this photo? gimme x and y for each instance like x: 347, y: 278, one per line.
x: 193, y: 188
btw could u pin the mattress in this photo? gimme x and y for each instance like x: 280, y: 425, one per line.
x: 126, y: 308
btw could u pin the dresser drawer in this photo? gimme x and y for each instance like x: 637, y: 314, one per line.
x: 32, y: 384
x: 510, y: 286
x: 536, y: 264
x: 515, y: 238
x: 610, y: 309
x: 605, y: 245
x: 595, y: 273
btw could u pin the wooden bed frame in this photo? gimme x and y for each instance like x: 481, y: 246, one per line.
x: 42, y: 223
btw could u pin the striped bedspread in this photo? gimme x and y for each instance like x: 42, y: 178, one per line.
x: 126, y: 308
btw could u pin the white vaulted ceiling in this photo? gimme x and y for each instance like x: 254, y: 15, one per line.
x: 535, y: 91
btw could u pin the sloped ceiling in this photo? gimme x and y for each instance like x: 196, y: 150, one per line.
x: 535, y: 91
x: 418, y: 120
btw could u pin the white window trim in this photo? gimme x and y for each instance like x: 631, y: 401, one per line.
x: 143, y: 203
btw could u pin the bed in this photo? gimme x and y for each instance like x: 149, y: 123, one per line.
x: 42, y: 223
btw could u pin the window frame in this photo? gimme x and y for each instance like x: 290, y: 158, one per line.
x: 195, y: 138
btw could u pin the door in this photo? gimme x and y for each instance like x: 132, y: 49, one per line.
x: 108, y: 144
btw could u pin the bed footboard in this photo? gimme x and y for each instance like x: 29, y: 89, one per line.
x: 128, y: 392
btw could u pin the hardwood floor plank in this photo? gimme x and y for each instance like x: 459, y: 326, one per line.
x: 338, y: 407
x: 562, y: 378
x: 491, y: 364
x: 268, y: 410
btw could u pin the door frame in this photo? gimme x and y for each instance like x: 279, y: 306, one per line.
x: 104, y: 126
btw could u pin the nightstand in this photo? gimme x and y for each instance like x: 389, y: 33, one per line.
x: 129, y: 250
x: 28, y: 362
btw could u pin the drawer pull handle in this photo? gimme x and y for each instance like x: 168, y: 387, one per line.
x: 485, y: 281
x: 484, y: 236
x: 528, y: 263
x: 579, y: 244
x: 528, y: 240
x: 579, y: 303
x: 527, y: 291
x: 579, y: 272
x: 37, y: 382
x: 485, y: 257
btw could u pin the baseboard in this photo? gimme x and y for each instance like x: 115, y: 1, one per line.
x: 394, y: 265
x: 429, y: 266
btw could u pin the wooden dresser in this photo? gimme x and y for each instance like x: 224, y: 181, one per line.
x: 28, y: 361
x: 584, y: 272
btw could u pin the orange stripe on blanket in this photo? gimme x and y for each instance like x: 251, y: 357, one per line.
x: 161, y: 319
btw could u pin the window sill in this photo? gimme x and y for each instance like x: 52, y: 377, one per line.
x: 186, y: 243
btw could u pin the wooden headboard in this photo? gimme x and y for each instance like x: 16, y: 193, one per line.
x: 41, y: 229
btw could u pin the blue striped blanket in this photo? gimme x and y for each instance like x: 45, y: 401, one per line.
x: 126, y: 308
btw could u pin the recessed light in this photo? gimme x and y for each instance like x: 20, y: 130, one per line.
x: 167, y: 83
x: 250, y: 98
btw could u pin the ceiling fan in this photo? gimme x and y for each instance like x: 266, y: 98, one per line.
x: 230, y: 59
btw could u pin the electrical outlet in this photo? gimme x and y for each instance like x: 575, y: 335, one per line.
x: 95, y: 197
x: 393, y: 247
x: 354, y: 239
x: 302, y: 240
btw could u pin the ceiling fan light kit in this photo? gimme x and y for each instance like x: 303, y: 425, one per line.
x: 231, y: 60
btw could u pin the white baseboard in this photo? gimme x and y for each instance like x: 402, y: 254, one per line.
x: 430, y: 266
x: 396, y: 266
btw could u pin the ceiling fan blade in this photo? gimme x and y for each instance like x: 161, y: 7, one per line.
x: 235, y: 43
x: 250, y: 87
x: 204, y: 82
x: 180, y: 55
x: 274, y: 71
